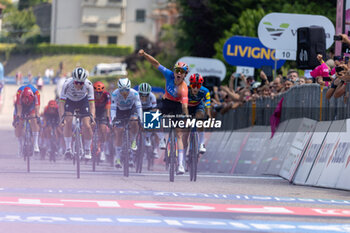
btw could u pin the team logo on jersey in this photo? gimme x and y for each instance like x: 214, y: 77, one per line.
x: 151, y: 120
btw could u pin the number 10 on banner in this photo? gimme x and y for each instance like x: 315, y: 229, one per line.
x: 246, y: 71
x: 286, y: 54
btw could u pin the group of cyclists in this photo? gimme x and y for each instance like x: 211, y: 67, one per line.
x: 97, y: 107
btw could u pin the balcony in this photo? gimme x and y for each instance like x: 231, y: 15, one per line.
x: 103, y: 27
x: 104, y: 3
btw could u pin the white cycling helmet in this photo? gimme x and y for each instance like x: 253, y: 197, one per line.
x: 145, y: 89
x: 124, y: 83
x: 79, y: 74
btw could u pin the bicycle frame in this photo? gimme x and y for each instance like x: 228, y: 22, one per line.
x: 193, y: 154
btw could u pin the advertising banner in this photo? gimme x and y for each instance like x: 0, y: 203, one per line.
x: 248, y: 51
x: 336, y: 160
x: 279, y: 30
x: 204, y: 66
x: 311, y: 152
x: 327, y: 148
x: 300, y: 141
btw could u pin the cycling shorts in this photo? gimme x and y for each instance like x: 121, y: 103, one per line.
x: 123, y: 114
x: 81, y: 105
x: 169, y: 107
x: 194, y: 109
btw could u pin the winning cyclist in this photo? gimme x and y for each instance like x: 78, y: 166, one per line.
x: 149, y: 103
x: 27, y: 104
x: 125, y: 104
x: 78, y: 93
x: 198, y: 105
x: 175, y: 99
x: 103, y: 115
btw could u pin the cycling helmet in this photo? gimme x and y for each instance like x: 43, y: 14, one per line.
x: 99, y: 86
x: 196, y: 78
x: 79, y: 74
x: 52, y: 104
x: 27, y: 96
x: 181, y: 65
x: 145, y: 88
x: 124, y: 83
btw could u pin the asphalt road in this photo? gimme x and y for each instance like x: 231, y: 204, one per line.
x: 51, y: 199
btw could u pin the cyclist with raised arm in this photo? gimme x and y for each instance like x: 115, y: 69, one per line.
x: 103, y: 115
x: 175, y: 99
x: 77, y: 94
x: 27, y: 104
x: 125, y: 104
x: 149, y: 103
x: 198, y: 106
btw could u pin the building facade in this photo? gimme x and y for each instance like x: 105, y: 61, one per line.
x: 121, y: 22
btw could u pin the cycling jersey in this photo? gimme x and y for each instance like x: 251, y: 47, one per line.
x: 70, y: 92
x: 202, y: 95
x: 51, y: 116
x: 119, y: 102
x: 34, y: 90
x: 102, y: 104
x: 150, y: 102
x: 172, y: 92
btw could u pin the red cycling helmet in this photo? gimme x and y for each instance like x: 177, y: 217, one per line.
x: 52, y: 104
x: 27, y: 96
x: 99, y: 86
x: 196, y: 78
x: 181, y: 65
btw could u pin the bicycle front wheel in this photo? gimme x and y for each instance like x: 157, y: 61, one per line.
x: 126, y: 153
x: 193, y: 157
x: 172, y: 156
x: 78, y: 147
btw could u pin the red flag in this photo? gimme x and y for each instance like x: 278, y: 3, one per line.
x: 275, y: 118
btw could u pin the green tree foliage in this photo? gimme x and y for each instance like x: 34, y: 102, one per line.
x: 203, y: 22
x: 19, y: 24
x: 25, y: 4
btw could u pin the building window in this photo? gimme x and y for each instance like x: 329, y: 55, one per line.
x: 93, y: 39
x: 140, y: 16
x: 115, y: 1
x: 112, y: 40
x: 140, y: 42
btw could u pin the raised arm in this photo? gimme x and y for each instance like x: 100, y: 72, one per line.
x: 149, y: 58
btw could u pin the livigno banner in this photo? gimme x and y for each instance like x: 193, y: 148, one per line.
x: 249, y: 51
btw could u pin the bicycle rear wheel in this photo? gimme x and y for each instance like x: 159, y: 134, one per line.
x: 94, y: 150
x: 172, y: 156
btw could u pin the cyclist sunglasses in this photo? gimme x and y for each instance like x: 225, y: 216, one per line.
x: 78, y: 83
x: 195, y: 85
x: 124, y: 90
x: 144, y: 95
x: 177, y: 70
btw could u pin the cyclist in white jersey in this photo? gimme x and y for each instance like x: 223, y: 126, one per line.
x: 78, y: 93
x: 149, y: 103
x: 125, y: 104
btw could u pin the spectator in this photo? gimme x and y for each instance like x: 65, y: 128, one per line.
x: 19, y: 78
x: 277, y: 86
x: 265, y: 91
x: 293, y: 76
x: 40, y: 82
x: 30, y: 77
x: 302, y: 81
x: 287, y: 85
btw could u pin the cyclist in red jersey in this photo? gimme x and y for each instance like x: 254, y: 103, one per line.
x: 175, y: 100
x: 103, y: 115
x: 27, y: 104
x: 51, y: 120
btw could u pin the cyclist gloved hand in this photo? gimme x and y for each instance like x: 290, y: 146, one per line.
x: 38, y: 121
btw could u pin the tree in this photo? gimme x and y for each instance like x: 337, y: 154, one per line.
x: 247, y: 25
x: 17, y: 24
x: 25, y: 4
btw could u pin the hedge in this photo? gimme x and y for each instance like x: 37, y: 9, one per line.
x: 52, y: 49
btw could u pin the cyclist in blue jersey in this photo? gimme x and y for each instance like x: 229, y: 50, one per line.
x: 175, y: 99
x: 199, y: 105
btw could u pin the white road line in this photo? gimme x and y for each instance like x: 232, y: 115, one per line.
x: 152, y: 174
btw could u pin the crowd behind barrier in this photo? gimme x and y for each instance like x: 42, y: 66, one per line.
x: 307, y: 101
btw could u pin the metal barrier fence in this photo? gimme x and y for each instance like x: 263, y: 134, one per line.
x: 307, y: 100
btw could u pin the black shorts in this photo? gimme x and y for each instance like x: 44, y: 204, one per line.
x: 169, y: 107
x: 81, y: 105
x: 123, y: 115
